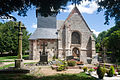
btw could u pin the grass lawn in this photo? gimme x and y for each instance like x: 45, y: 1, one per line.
x: 10, y: 58
x: 6, y: 66
x: 9, y: 65
x: 80, y: 76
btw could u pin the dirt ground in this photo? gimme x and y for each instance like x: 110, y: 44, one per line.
x: 48, y: 71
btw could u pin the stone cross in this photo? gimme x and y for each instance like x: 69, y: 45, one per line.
x: 44, y: 44
x: 20, y: 27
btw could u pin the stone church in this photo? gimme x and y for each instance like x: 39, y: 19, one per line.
x: 63, y: 39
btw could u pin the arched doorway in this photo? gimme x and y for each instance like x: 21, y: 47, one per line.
x: 76, y: 52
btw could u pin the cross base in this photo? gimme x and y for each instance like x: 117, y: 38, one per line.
x: 19, y: 63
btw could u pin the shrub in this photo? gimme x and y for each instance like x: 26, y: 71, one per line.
x: 107, y: 71
x: 91, y: 70
x: 85, y: 69
x: 61, y: 68
x: 111, y: 71
x: 101, y: 72
x: 71, y: 63
x: 118, y: 73
x: 54, y: 57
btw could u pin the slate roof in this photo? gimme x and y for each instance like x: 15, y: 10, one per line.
x: 44, y: 33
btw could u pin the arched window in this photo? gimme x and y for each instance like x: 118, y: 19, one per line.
x: 75, y: 38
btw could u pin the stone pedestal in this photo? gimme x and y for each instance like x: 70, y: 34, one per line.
x: 19, y: 63
x: 95, y: 59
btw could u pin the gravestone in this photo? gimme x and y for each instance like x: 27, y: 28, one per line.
x: 43, y: 55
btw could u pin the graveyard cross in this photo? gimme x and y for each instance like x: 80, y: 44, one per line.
x: 20, y: 27
x: 44, y: 44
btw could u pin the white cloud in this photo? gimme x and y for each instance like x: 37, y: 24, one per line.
x: 85, y: 7
x: 95, y: 32
x: 34, y: 25
x: 7, y: 19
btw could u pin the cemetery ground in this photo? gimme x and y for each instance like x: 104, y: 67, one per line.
x: 48, y: 72
x: 40, y: 72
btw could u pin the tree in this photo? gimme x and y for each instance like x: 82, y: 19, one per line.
x: 114, y: 28
x: 112, y: 9
x: 99, y: 40
x: 114, y: 45
x: 44, y: 7
x: 101, y: 36
x: 108, y: 42
x: 9, y: 38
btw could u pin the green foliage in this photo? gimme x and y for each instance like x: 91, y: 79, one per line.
x: 97, y: 45
x: 101, y: 36
x: 6, y: 66
x: 118, y: 73
x: 12, y: 58
x: 53, y: 7
x: 9, y: 38
x: 54, y: 57
x: 80, y: 76
x: 111, y: 8
x: 101, y: 72
x: 111, y: 72
x: 91, y: 70
x: 61, y: 68
x: 99, y: 41
x: 85, y: 68
x: 108, y: 42
x: 71, y: 63
x: 114, y: 40
x: 12, y: 65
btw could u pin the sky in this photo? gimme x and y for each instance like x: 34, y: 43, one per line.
x: 88, y: 10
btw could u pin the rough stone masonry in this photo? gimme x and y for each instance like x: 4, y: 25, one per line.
x: 71, y: 37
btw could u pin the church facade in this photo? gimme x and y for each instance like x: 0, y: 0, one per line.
x: 63, y: 39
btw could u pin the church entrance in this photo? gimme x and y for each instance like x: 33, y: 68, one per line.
x: 75, y: 53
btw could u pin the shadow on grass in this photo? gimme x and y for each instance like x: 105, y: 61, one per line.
x: 12, y: 57
x: 80, y: 76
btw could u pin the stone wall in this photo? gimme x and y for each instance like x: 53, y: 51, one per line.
x: 36, y: 48
x: 76, y: 23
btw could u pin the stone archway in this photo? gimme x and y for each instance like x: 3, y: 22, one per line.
x: 76, y: 52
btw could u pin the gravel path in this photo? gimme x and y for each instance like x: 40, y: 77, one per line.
x: 48, y: 71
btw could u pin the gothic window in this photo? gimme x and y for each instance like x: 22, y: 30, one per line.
x: 75, y: 38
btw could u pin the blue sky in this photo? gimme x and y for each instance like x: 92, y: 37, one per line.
x: 88, y: 10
